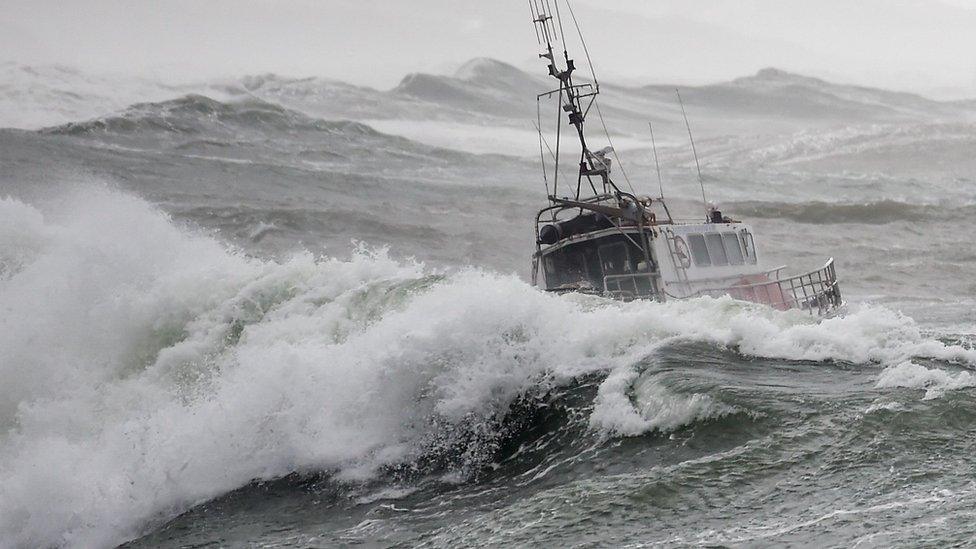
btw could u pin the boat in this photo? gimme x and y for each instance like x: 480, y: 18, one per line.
x: 603, y: 240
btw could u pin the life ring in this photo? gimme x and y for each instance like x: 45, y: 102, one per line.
x: 682, y: 253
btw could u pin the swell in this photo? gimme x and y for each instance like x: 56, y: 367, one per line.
x: 249, y: 130
x: 198, y: 114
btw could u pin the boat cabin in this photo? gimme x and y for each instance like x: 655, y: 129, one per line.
x: 593, y: 252
x: 618, y: 256
x: 603, y: 261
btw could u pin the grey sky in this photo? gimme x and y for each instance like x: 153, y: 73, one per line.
x: 920, y: 45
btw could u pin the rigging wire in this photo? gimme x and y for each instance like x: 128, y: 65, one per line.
x: 596, y: 85
x: 615, y: 153
x: 559, y: 131
x: 542, y: 155
x: 657, y: 164
x: 560, y: 21
x: 693, y: 150
x: 548, y: 148
x: 546, y: 141
x: 583, y: 42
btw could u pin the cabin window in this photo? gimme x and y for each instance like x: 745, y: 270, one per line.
x: 575, y: 266
x: 716, y: 249
x: 698, y: 250
x: 749, y: 246
x: 565, y: 267
x: 615, y: 259
x: 733, y: 249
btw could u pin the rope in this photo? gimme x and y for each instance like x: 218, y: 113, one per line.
x: 615, y: 153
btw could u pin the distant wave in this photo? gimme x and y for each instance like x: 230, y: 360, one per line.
x: 33, y: 97
x: 198, y: 114
x: 251, y: 130
x: 825, y: 213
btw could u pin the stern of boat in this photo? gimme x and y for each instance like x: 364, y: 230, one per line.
x: 816, y: 292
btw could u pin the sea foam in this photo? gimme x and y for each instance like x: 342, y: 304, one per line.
x: 934, y: 381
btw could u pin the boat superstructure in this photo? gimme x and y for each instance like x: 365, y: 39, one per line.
x: 601, y: 239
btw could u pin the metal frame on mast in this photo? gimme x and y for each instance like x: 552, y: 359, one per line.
x: 571, y: 97
x: 626, y: 208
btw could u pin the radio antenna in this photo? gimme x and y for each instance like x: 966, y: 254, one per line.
x: 596, y: 83
x: 694, y: 151
x: 657, y: 164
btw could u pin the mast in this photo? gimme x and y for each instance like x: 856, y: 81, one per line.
x: 572, y: 97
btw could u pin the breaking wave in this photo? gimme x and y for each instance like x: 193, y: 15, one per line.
x: 148, y: 368
x: 934, y: 381
x: 629, y: 405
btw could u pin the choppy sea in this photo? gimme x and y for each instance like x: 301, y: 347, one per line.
x: 228, y: 322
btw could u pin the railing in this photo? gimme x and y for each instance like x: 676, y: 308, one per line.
x: 815, y: 292
x: 612, y: 285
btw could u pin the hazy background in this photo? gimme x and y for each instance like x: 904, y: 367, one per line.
x: 925, y: 46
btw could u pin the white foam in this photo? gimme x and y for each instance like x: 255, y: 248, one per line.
x: 934, y: 381
x: 473, y: 138
x: 655, y: 407
x: 885, y: 407
x: 146, y: 369
x: 386, y: 494
x: 490, y: 137
x: 22, y: 232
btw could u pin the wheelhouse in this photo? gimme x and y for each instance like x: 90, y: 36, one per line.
x: 606, y: 261
x: 595, y: 251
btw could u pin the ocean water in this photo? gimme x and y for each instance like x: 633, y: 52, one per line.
x: 237, y: 314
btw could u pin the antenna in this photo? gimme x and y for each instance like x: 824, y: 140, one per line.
x: 559, y: 20
x: 657, y: 164
x: 693, y: 150
x: 573, y: 100
x: 586, y: 51
x: 542, y: 17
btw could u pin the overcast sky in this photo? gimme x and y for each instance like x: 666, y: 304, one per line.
x: 920, y: 45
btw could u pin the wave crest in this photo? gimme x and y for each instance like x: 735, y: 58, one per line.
x: 198, y: 114
x: 934, y: 381
x: 623, y: 408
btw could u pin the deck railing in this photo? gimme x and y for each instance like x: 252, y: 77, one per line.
x: 816, y: 292
x: 615, y: 285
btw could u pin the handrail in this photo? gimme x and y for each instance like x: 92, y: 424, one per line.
x: 768, y: 273
x: 775, y: 271
x: 816, y: 290
x: 633, y: 277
